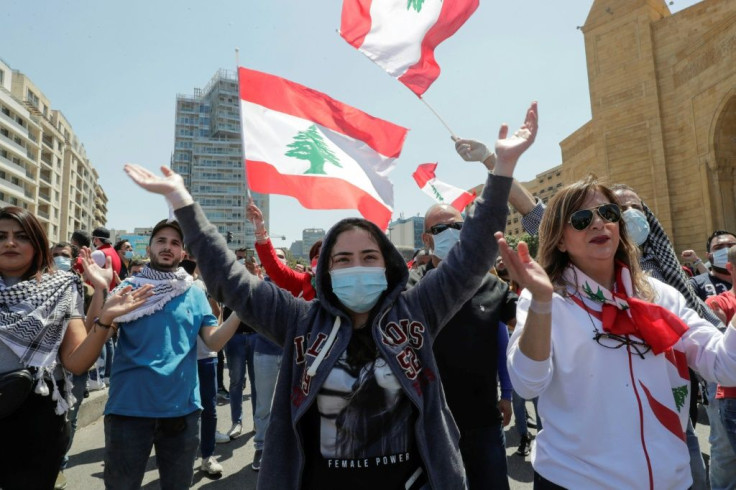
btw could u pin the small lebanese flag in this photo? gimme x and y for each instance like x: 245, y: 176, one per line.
x: 400, y: 35
x: 439, y: 191
x: 328, y: 155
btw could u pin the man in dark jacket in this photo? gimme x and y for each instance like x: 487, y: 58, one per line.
x: 466, y: 351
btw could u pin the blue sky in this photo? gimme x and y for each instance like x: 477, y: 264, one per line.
x: 114, y: 69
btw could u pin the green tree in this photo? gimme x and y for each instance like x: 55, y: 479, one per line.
x: 415, y: 4
x: 309, y: 145
x: 531, y: 240
x: 680, y: 394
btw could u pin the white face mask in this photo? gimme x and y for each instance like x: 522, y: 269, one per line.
x: 359, y: 288
x: 720, y: 258
x: 444, y: 241
x: 637, y: 226
x: 63, y: 263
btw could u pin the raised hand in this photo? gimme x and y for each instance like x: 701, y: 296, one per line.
x: 252, y: 213
x: 124, y: 301
x: 524, y: 270
x: 171, y: 184
x: 472, y: 150
x: 510, y: 148
x: 98, y: 277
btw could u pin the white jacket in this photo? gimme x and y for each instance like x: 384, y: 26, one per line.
x: 606, y: 412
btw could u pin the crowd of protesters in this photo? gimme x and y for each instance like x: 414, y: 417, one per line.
x: 366, y: 371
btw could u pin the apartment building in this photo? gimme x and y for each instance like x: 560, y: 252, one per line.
x: 43, y: 164
x: 208, y: 154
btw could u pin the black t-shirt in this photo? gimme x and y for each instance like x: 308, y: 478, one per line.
x: 360, y: 432
x: 466, y: 351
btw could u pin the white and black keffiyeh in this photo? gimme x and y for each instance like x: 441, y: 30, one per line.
x: 660, y: 258
x: 166, y: 286
x: 33, y: 319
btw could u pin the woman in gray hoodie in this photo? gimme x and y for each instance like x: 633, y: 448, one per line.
x: 359, y: 402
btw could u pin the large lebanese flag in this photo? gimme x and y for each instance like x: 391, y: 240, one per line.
x: 326, y: 154
x: 440, y: 191
x: 400, y: 35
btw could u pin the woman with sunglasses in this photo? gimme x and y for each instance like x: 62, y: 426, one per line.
x: 606, y: 349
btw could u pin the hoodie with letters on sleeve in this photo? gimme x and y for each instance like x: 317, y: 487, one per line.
x: 333, y: 421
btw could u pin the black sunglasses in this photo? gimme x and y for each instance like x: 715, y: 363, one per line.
x: 437, y: 229
x: 582, y: 219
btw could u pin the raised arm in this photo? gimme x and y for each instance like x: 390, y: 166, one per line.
x: 468, y: 262
x: 474, y: 151
x: 535, y: 339
x: 261, y: 304
x: 281, y: 274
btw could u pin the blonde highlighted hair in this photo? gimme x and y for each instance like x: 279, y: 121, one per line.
x: 551, y: 230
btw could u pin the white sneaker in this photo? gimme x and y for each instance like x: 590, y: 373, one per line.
x: 211, y: 466
x: 221, y: 438
x: 235, y: 431
x: 95, y: 385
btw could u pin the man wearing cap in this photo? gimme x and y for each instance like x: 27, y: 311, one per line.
x: 101, y: 242
x: 154, y: 398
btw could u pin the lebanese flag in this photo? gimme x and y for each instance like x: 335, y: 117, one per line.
x: 400, y: 35
x: 439, y: 191
x: 326, y: 154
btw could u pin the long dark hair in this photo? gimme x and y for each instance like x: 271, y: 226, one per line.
x: 42, y: 259
x: 393, y: 274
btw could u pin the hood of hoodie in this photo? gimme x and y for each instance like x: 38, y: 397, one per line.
x: 397, y: 273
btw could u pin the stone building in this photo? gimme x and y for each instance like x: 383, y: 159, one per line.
x: 663, y: 103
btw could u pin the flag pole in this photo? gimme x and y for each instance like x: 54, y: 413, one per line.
x: 454, y: 136
x: 242, y: 146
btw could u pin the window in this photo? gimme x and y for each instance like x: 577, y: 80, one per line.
x: 2, y: 77
x: 32, y: 98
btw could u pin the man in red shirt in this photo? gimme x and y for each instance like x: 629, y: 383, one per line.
x: 724, y: 305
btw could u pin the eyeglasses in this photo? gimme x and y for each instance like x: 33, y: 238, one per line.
x: 613, y: 341
x: 437, y: 229
x: 582, y: 219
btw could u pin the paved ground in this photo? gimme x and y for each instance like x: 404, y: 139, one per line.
x: 85, y: 472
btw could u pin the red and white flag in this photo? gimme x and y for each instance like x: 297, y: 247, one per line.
x: 439, y: 191
x: 400, y: 35
x: 328, y: 155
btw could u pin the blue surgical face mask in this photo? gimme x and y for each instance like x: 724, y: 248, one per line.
x: 63, y: 263
x: 128, y: 254
x: 637, y: 226
x: 358, y: 288
x: 444, y: 241
x: 720, y: 257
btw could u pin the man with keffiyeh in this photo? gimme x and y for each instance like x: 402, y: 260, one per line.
x: 154, y: 389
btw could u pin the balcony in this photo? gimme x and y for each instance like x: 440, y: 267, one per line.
x: 10, y: 165
x: 19, y: 149
x: 19, y: 128
x: 8, y: 185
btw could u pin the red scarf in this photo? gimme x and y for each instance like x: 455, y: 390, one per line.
x: 625, y: 315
